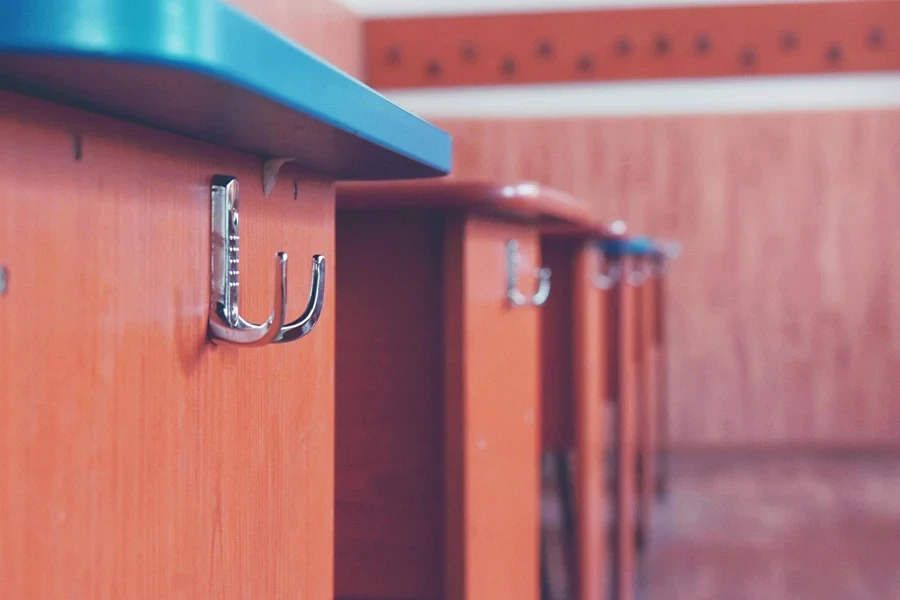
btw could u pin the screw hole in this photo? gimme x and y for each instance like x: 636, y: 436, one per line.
x: 4, y: 280
x: 433, y: 68
x: 834, y: 53
x: 508, y: 67
x: 545, y: 49
x: 875, y: 37
x: 76, y: 146
x: 662, y: 45
x: 703, y: 43
x: 295, y: 189
x: 789, y: 41
x: 623, y: 46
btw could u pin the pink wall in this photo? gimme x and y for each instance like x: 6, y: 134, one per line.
x: 785, y: 304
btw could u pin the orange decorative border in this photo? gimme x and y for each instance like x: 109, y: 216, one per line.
x: 609, y: 45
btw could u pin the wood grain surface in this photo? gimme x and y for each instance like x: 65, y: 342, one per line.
x: 491, y: 428
x: 781, y: 324
x: 589, y: 377
x: 389, y: 405
x: 558, y: 360
x: 573, y: 386
x: 138, y: 460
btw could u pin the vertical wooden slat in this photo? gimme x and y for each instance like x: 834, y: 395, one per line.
x: 589, y: 376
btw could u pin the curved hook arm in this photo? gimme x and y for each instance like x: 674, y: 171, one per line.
x: 543, y: 291
x: 636, y: 277
x: 513, y: 294
x: 613, y: 275
x: 227, y: 325
x: 299, y: 328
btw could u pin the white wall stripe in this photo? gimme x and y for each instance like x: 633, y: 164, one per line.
x: 706, y: 96
x: 405, y: 8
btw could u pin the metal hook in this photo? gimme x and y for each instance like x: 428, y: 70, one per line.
x: 637, y: 277
x: 516, y: 297
x: 606, y: 281
x: 225, y: 321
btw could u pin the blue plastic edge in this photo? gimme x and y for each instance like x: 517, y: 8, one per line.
x: 213, y: 39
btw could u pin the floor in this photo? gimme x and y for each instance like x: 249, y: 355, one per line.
x: 777, y: 528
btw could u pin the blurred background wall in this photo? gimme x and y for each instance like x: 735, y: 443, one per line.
x: 784, y: 319
x: 783, y: 191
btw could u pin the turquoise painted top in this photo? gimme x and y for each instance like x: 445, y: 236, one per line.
x: 634, y: 246
x: 204, y: 69
x: 640, y: 246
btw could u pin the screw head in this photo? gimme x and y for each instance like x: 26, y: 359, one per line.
x: 875, y: 37
x: 662, y: 44
x: 393, y: 55
x: 469, y: 52
x: 623, y: 46
x: 748, y: 58
x: 585, y: 63
x: 433, y: 68
x: 508, y: 67
x: 703, y: 43
x: 789, y: 40
x: 545, y: 49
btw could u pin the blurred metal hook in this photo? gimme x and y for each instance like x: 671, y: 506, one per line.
x: 613, y: 275
x: 636, y: 277
x: 513, y: 294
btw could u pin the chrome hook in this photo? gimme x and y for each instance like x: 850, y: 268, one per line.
x: 606, y: 281
x: 225, y: 321
x: 636, y: 277
x: 516, y: 297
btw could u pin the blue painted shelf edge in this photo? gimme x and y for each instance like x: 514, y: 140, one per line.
x: 204, y: 69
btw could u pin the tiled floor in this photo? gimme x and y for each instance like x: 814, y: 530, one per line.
x: 777, y: 528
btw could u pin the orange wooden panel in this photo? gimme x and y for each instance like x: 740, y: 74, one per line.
x: 644, y: 43
x: 780, y: 309
x: 138, y: 460
x: 389, y: 405
x: 491, y: 431
x: 588, y: 374
x: 573, y: 372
